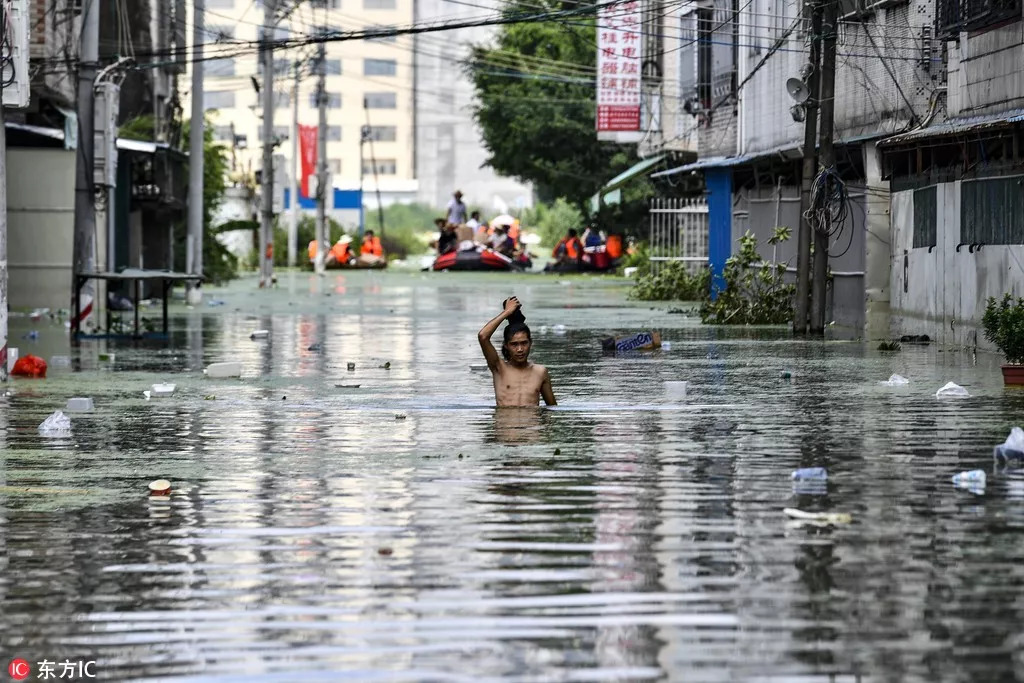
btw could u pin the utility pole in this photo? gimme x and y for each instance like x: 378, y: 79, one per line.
x: 828, y: 160
x: 84, y: 239
x: 812, y: 10
x: 321, y: 158
x: 267, y: 213
x: 194, y: 252
x: 293, y: 223
x: 3, y: 220
x: 364, y: 132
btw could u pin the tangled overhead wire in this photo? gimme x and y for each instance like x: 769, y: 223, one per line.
x: 830, y: 207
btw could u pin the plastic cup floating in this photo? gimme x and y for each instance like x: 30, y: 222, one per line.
x: 160, y: 487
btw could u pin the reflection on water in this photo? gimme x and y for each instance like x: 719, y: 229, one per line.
x: 408, y: 530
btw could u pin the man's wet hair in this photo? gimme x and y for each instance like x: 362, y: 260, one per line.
x: 511, y: 330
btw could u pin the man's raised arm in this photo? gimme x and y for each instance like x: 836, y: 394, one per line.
x: 488, y: 330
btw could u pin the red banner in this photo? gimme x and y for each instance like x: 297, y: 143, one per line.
x: 307, y: 152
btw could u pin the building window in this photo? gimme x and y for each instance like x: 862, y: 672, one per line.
x: 326, y: 4
x: 332, y: 67
x: 333, y: 100
x: 383, y: 133
x: 384, y: 167
x: 282, y: 99
x: 224, y: 66
x: 333, y: 133
x: 222, y: 133
x: 380, y: 100
x: 954, y: 16
x: 380, y: 39
x: 379, y: 67
x: 992, y: 211
x: 220, y: 4
x: 335, y: 166
x: 925, y: 217
x: 379, y: 4
x: 219, y: 99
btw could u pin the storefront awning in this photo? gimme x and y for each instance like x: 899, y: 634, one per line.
x: 632, y: 172
x: 957, y: 126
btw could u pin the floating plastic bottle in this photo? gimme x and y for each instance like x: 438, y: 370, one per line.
x: 973, y: 480
x: 810, y: 474
x: 952, y: 390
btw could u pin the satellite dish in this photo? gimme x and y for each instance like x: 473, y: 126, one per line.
x: 798, y: 90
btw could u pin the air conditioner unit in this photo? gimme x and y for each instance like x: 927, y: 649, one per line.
x: 15, y: 68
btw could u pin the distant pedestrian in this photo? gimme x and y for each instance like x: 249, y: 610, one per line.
x: 474, y: 220
x: 456, y: 210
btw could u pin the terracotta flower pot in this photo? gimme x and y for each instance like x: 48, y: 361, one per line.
x: 1013, y: 374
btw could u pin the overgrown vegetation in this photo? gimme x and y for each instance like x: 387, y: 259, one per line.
x: 752, y: 294
x: 673, y: 282
x: 406, y: 227
x: 1003, y: 323
x: 552, y: 221
x: 754, y: 291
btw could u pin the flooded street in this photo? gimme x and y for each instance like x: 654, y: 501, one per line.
x: 405, y: 529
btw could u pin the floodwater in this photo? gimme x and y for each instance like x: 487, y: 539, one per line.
x: 405, y: 529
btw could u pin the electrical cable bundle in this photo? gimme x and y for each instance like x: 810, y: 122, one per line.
x: 7, y: 68
x: 830, y: 206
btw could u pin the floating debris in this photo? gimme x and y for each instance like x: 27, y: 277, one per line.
x: 160, y: 487
x: 952, y: 390
x: 819, y: 517
x: 58, y: 424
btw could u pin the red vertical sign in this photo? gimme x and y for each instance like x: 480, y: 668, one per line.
x: 618, y: 67
x: 307, y: 150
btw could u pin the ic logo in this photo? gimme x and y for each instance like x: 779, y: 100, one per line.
x: 19, y: 669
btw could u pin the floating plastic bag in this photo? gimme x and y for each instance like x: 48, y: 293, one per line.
x: 641, y: 341
x: 896, y: 381
x: 952, y: 390
x: 57, y: 424
x: 29, y: 366
x: 1013, y: 447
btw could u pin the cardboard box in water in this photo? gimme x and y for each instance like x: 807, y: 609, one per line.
x: 641, y: 341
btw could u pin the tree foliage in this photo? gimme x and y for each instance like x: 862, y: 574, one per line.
x: 538, y: 121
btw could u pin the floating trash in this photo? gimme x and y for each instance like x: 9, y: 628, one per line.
x: 676, y: 388
x: 163, y: 390
x: 400, y: 416
x: 1012, y: 448
x: 315, y: 347
x: 973, y: 481
x: 819, y: 517
x: 351, y: 367
x: 222, y: 370
x: 809, y: 474
x: 952, y: 390
x: 558, y: 329
x: 79, y: 405
x: 895, y: 381
x: 641, y: 341
x: 259, y: 334
x: 160, y: 487
x: 57, y: 424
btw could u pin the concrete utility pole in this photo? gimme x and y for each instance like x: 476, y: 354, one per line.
x: 293, y: 223
x: 321, y: 158
x: 828, y: 159
x: 194, y: 252
x: 84, y: 239
x: 3, y: 230
x: 812, y: 10
x: 267, y: 213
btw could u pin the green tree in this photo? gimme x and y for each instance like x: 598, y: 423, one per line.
x: 537, y: 117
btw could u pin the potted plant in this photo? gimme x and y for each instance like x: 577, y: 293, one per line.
x: 1004, y: 326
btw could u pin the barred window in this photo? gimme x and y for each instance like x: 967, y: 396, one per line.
x: 992, y: 211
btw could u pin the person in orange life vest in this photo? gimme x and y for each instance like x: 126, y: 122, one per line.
x: 569, y: 249
x: 341, y: 253
x: 371, y: 251
x: 311, y: 250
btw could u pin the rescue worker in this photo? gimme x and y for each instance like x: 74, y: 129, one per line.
x: 341, y: 253
x: 569, y: 249
x: 371, y: 251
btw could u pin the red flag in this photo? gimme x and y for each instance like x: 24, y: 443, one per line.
x: 307, y: 149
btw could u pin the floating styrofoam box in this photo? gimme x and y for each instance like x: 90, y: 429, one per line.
x: 220, y: 370
x: 161, y: 390
x: 79, y: 405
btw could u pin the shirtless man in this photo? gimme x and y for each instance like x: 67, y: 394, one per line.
x: 517, y: 381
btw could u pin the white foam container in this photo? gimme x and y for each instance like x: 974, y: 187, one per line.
x: 259, y: 334
x: 221, y: 370
x: 163, y: 390
x: 12, y: 357
x: 79, y: 405
x: 676, y: 388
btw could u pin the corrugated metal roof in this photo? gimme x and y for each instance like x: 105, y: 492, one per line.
x: 957, y: 126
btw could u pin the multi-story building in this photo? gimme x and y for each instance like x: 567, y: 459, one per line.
x: 369, y: 83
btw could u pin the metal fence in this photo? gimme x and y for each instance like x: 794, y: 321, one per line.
x: 679, y: 232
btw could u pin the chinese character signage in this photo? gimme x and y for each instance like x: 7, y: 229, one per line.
x: 618, y: 67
